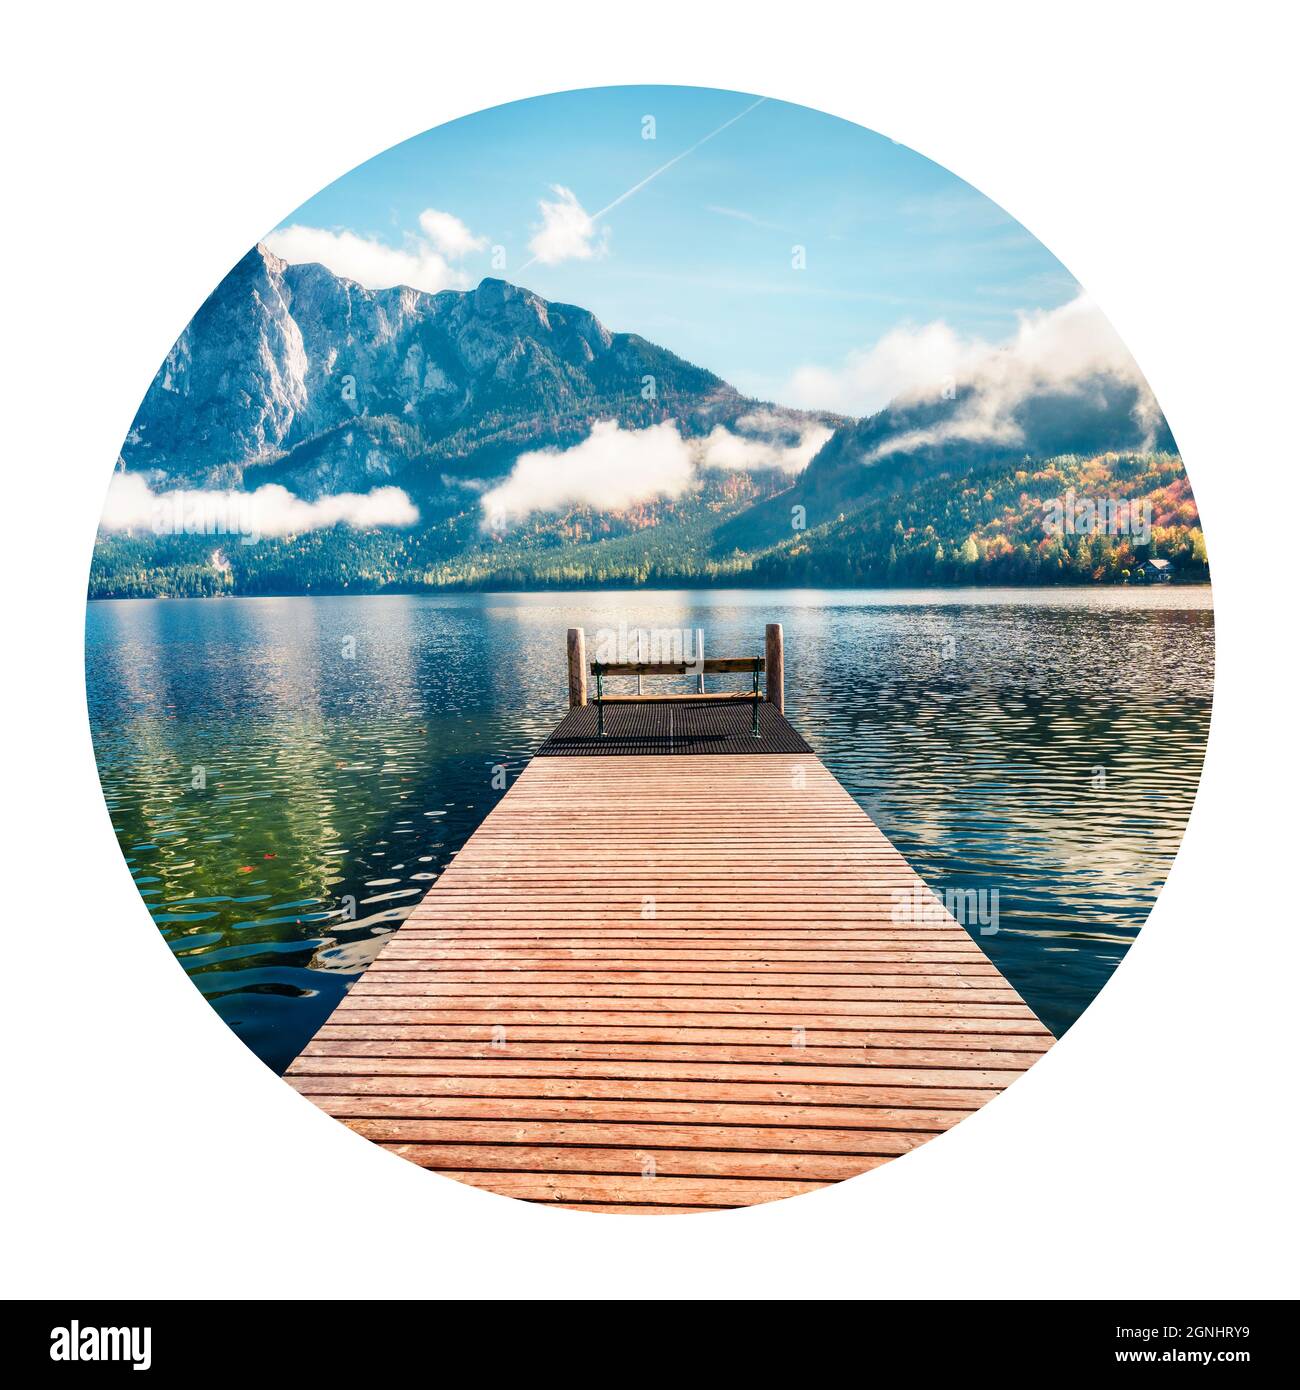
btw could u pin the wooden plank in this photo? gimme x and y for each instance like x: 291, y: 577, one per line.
x: 903, y: 1101
x: 395, y: 992
x: 944, y: 1058
x: 999, y: 997
x: 667, y: 1162
x: 607, y: 1134
x: 606, y: 1111
x: 681, y: 697
x: 715, y: 969
x: 603, y: 1187
x: 952, y: 1054
x: 368, y: 1030
x: 713, y: 666
x: 498, y: 1063
x: 628, y: 1027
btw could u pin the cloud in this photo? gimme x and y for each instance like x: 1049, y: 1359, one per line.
x: 723, y: 449
x: 425, y: 263
x: 271, y: 510
x: 611, y: 470
x: 906, y: 361
x: 449, y: 234
x: 615, y: 468
x: 1063, y: 350
x: 567, y: 232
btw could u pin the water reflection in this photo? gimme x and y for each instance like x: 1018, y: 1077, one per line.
x: 287, y: 776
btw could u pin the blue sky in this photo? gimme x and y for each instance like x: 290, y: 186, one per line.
x: 698, y: 259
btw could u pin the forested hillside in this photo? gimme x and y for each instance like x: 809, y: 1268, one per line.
x: 990, y: 527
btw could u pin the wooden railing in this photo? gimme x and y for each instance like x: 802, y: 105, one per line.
x: 771, y: 665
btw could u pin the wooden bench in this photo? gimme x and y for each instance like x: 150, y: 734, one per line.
x: 771, y: 665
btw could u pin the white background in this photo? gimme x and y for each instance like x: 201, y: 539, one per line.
x: 146, y: 1152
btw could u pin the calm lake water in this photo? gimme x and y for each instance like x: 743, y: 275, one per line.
x: 287, y: 776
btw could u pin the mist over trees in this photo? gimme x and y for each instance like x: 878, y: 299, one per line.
x: 990, y: 526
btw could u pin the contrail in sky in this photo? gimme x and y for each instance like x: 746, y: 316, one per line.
x: 663, y: 168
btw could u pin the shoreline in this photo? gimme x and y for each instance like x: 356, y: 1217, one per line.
x: 683, y: 587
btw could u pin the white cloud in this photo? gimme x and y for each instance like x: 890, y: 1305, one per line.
x: 271, y: 510
x: 449, y: 234
x: 424, y: 263
x: 1054, y: 350
x: 906, y: 361
x: 723, y: 449
x: 567, y: 232
x: 614, y: 469
x: 611, y: 470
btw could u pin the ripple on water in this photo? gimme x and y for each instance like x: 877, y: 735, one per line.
x: 1044, y: 745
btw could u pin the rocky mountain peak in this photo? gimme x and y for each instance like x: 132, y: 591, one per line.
x: 293, y: 374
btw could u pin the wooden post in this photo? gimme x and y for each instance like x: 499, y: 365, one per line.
x: 577, y: 642
x: 775, y: 664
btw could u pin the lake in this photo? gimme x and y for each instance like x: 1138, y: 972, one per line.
x: 287, y: 777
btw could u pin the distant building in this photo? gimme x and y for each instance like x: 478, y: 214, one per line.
x: 1154, y: 572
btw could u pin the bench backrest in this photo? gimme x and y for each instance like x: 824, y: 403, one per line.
x: 771, y: 664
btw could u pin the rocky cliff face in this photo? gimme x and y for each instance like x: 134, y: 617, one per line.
x: 289, y: 373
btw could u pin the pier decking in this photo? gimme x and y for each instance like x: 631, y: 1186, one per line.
x: 660, y: 983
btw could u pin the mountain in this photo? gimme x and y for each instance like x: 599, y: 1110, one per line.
x: 289, y: 374
x: 293, y: 375
x: 976, y: 428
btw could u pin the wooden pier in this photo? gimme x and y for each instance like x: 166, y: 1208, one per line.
x: 657, y: 983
